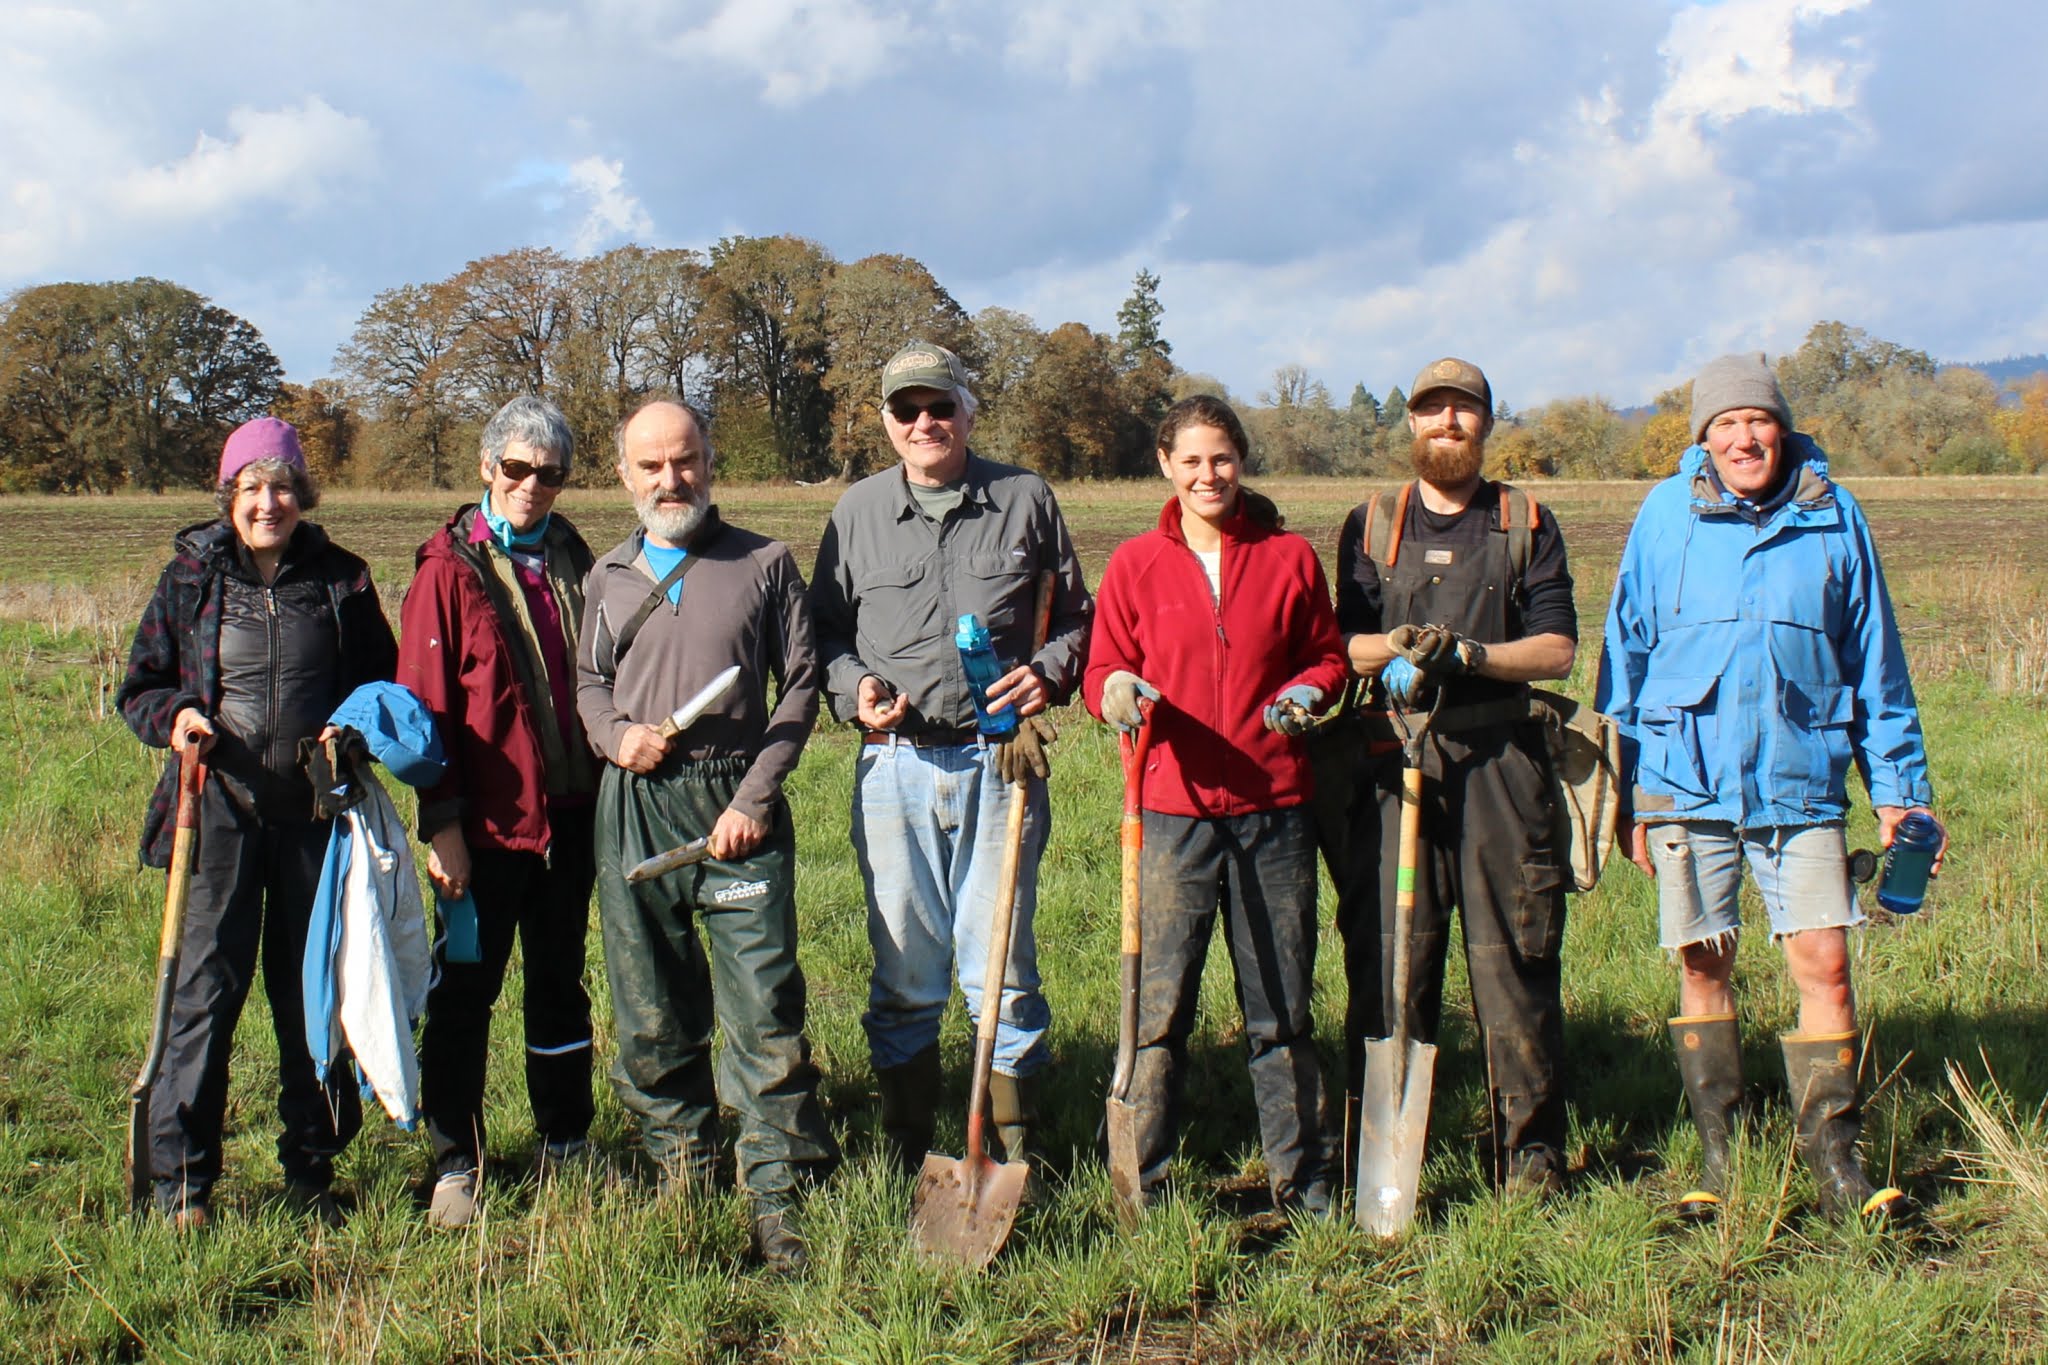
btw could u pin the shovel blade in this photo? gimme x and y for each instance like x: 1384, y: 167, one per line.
x: 1393, y: 1124
x: 963, y: 1209
x: 1123, y: 1160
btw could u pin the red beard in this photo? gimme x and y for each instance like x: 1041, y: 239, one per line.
x: 1449, y: 466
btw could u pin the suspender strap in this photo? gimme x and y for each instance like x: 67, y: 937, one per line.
x: 624, y: 640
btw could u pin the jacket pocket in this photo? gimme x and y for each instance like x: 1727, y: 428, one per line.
x: 1677, y: 731
x: 1813, y: 750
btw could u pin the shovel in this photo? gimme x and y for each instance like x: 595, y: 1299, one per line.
x: 963, y: 1210
x: 1393, y: 1119
x: 1122, y: 1116
x: 191, y: 777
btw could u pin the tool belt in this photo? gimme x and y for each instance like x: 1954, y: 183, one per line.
x: 1585, y: 765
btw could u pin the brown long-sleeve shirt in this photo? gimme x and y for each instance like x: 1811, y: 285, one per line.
x: 744, y: 603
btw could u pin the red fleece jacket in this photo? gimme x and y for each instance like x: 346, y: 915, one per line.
x: 1217, y: 665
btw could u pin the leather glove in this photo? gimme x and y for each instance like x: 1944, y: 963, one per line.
x: 1023, y: 755
x: 1437, y: 650
x: 1400, y: 681
x: 1120, y: 694
x: 1292, y: 712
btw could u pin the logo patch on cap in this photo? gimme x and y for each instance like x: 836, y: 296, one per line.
x: 915, y: 360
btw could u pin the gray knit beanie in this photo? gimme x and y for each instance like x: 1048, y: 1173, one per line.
x: 1737, y: 381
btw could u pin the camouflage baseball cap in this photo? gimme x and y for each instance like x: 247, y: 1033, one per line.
x: 922, y: 365
x: 1453, y: 373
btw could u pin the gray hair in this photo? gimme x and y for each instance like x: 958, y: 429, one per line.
x: 968, y: 402
x: 533, y: 421
x: 697, y: 415
x: 275, y: 469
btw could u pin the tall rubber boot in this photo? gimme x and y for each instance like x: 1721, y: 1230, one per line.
x: 1828, y: 1116
x: 1013, y: 1113
x: 910, y: 1108
x: 1709, y: 1048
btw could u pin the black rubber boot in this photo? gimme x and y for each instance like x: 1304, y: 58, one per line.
x: 1709, y: 1048
x: 1828, y: 1116
x: 910, y: 1108
x: 1013, y: 1114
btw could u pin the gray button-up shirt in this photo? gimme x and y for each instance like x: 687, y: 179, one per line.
x: 890, y: 586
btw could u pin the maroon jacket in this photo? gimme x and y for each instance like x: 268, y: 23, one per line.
x: 1217, y: 666
x: 456, y: 653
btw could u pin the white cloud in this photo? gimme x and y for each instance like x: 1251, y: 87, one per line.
x: 613, y: 214
x: 1740, y: 57
x: 287, y: 156
x: 798, y: 49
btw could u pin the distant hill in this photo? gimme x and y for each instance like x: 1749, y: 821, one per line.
x: 1999, y: 371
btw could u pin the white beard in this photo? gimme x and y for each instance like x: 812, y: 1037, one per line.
x: 674, y: 522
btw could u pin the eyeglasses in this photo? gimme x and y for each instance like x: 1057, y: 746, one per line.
x: 519, y: 471
x: 906, y: 411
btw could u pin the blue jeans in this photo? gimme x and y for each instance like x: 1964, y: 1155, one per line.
x: 928, y: 827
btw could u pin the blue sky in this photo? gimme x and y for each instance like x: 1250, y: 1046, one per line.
x: 1590, y: 197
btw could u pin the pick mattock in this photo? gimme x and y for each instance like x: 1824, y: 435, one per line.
x: 184, y: 848
x: 963, y: 1210
x: 1122, y: 1115
x: 1393, y: 1113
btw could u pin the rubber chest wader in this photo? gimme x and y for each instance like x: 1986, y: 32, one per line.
x: 1490, y: 831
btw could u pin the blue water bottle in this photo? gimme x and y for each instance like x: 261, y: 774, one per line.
x: 458, y: 924
x: 1907, y: 863
x: 978, y: 658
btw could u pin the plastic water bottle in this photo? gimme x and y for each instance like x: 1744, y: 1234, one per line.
x: 1907, y: 863
x: 458, y: 922
x: 978, y: 658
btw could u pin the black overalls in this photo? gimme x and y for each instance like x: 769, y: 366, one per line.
x: 1486, y: 848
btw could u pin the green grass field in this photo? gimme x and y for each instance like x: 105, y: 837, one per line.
x: 594, y: 1269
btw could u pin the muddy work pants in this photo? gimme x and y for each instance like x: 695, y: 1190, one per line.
x: 1487, y: 850
x: 1260, y: 870
x: 252, y: 894
x: 668, y: 992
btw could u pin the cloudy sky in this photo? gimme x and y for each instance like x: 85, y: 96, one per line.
x: 1585, y: 197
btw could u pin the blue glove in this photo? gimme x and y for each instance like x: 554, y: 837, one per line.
x: 1401, y: 680
x: 1291, y: 713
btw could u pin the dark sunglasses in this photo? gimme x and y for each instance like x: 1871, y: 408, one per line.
x: 905, y: 411
x: 518, y: 471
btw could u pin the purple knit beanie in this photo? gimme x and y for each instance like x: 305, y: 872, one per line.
x: 265, y: 438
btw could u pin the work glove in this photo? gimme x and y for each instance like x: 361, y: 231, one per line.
x: 1293, y: 711
x: 1121, y: 692
x: 1400, y: 681
x: 1023, y: 755
x: 1436, y: 650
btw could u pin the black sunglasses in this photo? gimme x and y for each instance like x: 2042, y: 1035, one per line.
x: 550, y: 475
x: 905, y: 411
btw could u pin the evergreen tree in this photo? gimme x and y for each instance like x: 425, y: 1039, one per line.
x: 1137, y: 322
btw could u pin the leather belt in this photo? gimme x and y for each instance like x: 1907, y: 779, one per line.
x: 926, y: 739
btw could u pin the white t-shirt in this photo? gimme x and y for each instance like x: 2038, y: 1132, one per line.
x: 1212, y: 565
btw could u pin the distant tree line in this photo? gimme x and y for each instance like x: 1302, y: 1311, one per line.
x: 134, y: 384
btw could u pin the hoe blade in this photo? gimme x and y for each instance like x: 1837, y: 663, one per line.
x: 963, y: 1209
x: 1393, y: 1124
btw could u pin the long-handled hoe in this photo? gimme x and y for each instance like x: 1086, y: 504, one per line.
x: 184, y: 847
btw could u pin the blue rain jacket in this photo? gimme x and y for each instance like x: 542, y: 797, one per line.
x: 1749, y: 661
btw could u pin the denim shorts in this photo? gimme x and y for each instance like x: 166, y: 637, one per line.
x: 1801, y: 871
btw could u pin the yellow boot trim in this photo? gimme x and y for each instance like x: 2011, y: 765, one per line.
x: 1882, y: 1201
x: 1682, y: 1019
